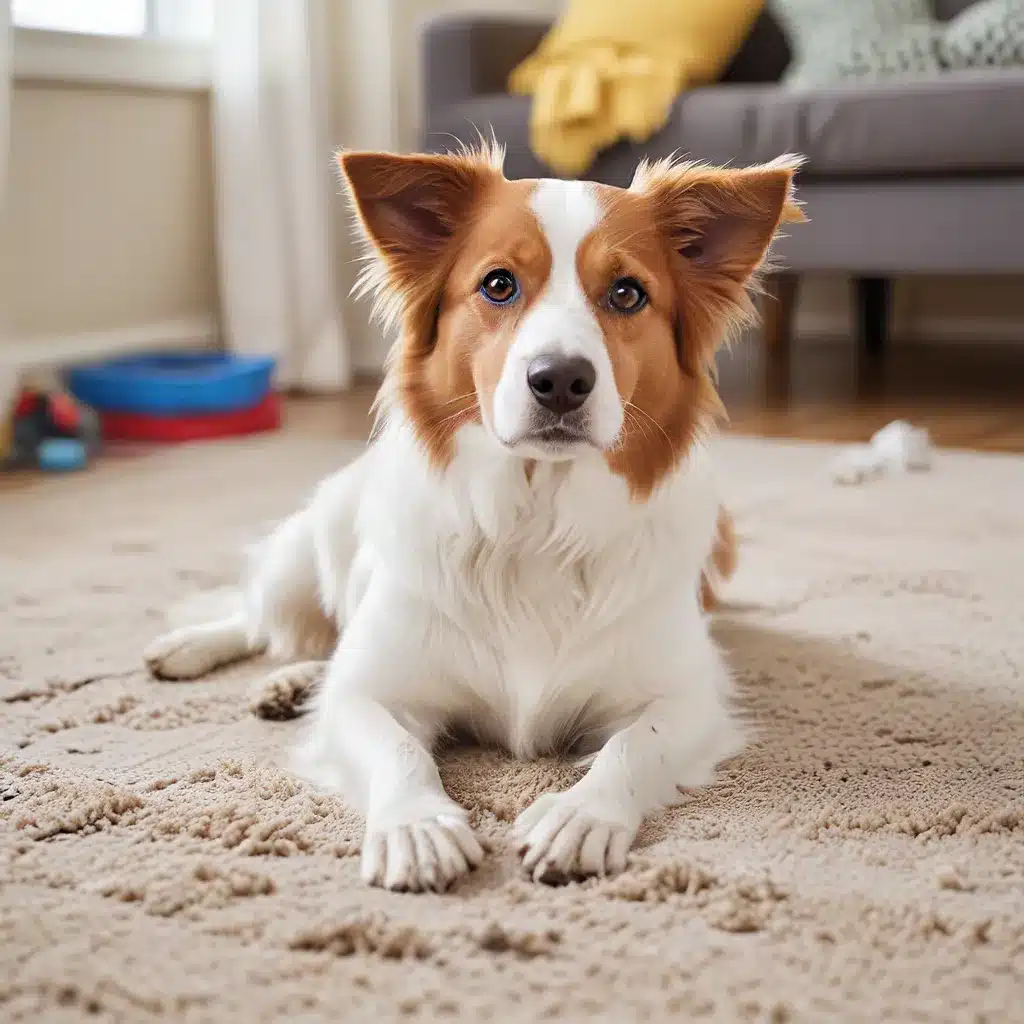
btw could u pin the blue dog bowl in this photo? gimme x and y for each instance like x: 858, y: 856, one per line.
x: 174, y: 384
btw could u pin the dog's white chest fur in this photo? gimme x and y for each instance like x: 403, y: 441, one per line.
x: 540, y: 609
x: 542, y: 595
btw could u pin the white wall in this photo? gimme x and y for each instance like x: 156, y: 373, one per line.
x: 8, y: 376
x: 5, y: 60
x: 109, y: 220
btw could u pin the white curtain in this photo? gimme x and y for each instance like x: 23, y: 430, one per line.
x: 275, y: 184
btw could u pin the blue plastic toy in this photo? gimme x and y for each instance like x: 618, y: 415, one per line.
x: 48, y: 430
x: 61, y: 454
x: 174, y: 384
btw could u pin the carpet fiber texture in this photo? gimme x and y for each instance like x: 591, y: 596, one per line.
x: 863, y: 860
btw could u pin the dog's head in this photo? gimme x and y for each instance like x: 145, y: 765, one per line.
x: 564, y: 316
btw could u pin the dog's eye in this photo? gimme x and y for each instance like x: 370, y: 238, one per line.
x: 627, y: 296
x: 500, y: 287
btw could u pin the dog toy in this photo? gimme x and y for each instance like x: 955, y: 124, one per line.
x: 49, y: 430
x: 896, y: 448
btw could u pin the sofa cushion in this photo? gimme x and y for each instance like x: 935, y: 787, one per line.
x: 967, y: 123
x: 920, y: 127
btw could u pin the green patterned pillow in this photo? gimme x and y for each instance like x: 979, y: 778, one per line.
x: 835, y: 41
x: 876, y: 40
x: 987, y: 34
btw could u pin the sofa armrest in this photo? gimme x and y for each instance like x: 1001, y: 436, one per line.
x: 466, y: 56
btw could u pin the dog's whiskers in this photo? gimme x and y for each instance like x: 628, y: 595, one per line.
x: 654, y: 422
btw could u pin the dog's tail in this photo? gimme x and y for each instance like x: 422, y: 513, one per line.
x: 721, y: 563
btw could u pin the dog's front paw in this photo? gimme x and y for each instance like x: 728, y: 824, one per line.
x: 182, y: 654
x: 570, y: 835
x: 414, y: 852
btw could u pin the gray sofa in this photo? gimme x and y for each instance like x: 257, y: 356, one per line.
x: 911, y: 177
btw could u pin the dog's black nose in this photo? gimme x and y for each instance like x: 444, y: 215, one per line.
x: 561, y: 383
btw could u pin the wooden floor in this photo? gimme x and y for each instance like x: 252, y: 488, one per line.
x: 968, y: 396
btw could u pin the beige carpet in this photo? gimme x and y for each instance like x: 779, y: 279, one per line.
x: 864, y: 860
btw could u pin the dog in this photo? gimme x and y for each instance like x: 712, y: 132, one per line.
x: 526, y: 550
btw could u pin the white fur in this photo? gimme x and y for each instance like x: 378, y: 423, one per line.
x: 542, y: 610
x: 559, y: 322
x: 537, y: 613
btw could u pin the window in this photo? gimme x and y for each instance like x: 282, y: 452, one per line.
x: 98, y: 17
x: 174, y: 19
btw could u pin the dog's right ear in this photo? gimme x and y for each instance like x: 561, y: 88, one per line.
x: 410, y: 207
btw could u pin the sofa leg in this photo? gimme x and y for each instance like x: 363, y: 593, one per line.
x: 777, y: 314
x: 872, y: 301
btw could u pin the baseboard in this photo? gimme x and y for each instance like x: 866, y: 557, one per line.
x: 814, y: 326
x: 51, y: 350
x: 44, y: 354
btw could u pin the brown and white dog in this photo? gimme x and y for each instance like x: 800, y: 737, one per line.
x: 524, y: 549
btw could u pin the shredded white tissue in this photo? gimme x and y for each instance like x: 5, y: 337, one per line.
x: 896, y: 448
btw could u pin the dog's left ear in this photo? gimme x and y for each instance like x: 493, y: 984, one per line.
x: 721, y: 221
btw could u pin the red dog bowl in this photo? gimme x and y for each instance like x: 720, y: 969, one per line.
x: 135, y: 426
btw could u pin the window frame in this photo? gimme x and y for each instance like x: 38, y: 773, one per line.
x: 149, y: 61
